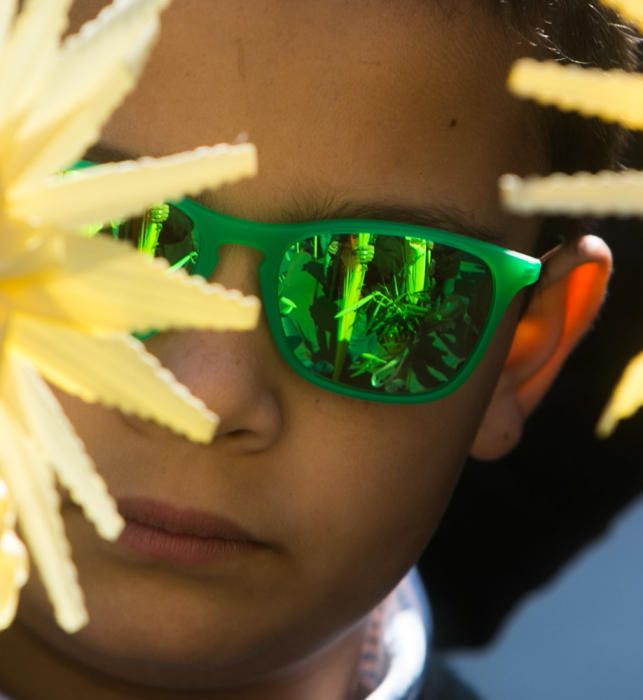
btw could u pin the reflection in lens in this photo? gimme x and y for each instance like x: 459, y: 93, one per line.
x: 382, y: 313
x: 163, y: 231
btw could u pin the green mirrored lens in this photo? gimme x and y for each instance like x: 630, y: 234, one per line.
x: 164, y: 231
x: 383, y: 313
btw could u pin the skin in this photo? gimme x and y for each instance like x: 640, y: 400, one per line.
x: 363, y: 101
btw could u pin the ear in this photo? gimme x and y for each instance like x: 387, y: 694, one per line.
x: 563, y: 307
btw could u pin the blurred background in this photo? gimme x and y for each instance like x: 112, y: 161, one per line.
x: 536, y: 574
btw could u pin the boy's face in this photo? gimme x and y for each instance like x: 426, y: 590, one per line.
x: 369, y: 101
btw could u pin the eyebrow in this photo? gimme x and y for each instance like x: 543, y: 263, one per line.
x: 445, y: 217
x: 315, y: 208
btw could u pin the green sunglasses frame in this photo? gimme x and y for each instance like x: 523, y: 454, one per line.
x: 511, y: 272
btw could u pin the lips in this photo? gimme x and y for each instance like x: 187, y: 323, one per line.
x: 160, y: 532
x: 180, y: 521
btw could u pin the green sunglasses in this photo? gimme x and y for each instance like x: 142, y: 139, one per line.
x: 372, y: 310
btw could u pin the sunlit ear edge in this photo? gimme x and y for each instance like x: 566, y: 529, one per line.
x: 563, y: 308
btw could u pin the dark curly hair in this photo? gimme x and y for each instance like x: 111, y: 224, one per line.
x: 586, y: 33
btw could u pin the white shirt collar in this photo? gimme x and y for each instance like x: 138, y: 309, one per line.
x: 405, y: 641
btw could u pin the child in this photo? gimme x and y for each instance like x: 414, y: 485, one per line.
x: 274, y: 562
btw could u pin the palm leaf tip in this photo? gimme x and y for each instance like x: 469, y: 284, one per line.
x: 511, y: 190
x: 606, y: 193
x: 207, y: 306
x: 14, y: 571
x: 14, y: 563
x: 612, y: 95
x: 626, y: 399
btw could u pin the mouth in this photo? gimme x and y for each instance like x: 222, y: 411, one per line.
x: 160, y: 531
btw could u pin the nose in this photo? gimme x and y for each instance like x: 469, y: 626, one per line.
x: 236, y: 374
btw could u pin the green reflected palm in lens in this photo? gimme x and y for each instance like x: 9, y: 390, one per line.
x: 383, y: 313
x: 163, y: 231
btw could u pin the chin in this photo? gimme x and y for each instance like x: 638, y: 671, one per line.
x: 147, y: 629
x: 153, y: 645
x: 149, y: 618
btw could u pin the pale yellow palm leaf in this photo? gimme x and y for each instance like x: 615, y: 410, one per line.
x: 626, y: 399
x: 28, y: 52
x: 113, y: 369
x: 14, y: 563
x: 614, y: 96
x: 14, y: 570
x: 7, y: 12
x: 30, y: 400
x: 582, y: 194
x: 115, y: 191
x: 101, y: 285
x: 33, y: 491
x: 69, y: 303
x: 92, y: 74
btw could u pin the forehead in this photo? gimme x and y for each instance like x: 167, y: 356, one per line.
x: 368, y: 100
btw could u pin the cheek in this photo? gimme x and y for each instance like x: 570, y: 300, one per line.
x: 371, y: 493
x: 377, y: 479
